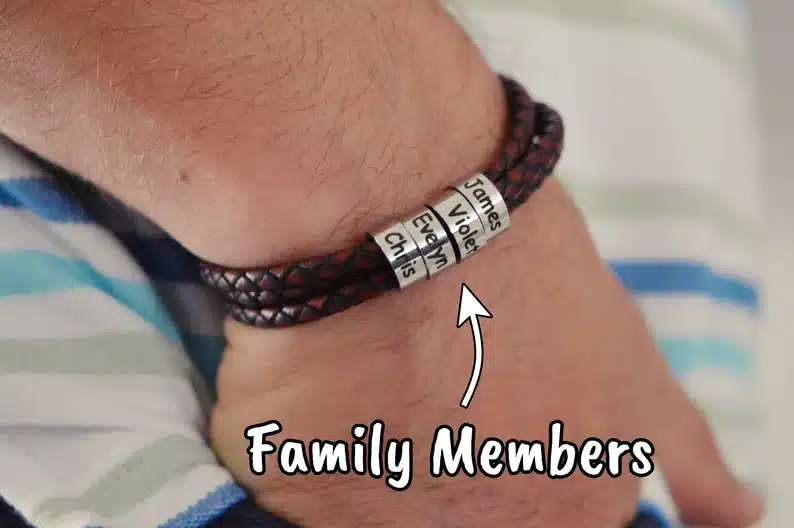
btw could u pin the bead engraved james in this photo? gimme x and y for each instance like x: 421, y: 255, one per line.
x: 433, y: 241
x: 483, y: 195
x: 468, y: 232
x: 403, y: 254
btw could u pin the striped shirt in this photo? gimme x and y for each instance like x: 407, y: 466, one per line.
x: 109, y: 343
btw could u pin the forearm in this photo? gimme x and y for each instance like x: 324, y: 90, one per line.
x: 165, y: 106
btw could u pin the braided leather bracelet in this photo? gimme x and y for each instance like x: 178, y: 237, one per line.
x: 415, y: 249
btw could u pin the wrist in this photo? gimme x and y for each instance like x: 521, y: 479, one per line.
x: 367, y: 151
x: 332, y: 192
x: 198, y: 127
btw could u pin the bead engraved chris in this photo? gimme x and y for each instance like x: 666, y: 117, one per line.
x: 403, y: 254
x: 461, y: 219
x: 483, y: 195
x: 433, y: 241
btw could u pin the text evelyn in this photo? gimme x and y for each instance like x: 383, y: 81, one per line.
x: 435, y: 255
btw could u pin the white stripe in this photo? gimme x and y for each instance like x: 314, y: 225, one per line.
x: 23, y: 230
x: 696, y: 317
x: 174, y: 499
x: 744, y: 451
x: 73, y: 465
x: 76, y: 459
x: 77, y: 313
x: 721, y: 387
x: 162, y: 506
x: 701, y: 241
x: 76, y: 519
x: 80, y: 467
x: 23, y: 480
x: 141, y: 402
x: 691, y: 124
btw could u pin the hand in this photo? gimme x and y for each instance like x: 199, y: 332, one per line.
x: 564, y: 344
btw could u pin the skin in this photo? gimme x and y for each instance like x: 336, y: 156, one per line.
x: 221, y: 119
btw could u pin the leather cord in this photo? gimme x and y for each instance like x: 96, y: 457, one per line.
x: 301, y: 292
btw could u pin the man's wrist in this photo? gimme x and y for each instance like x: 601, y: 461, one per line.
x: 366, y: 122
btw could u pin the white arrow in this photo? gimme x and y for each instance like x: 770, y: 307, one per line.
x: 471, y: 309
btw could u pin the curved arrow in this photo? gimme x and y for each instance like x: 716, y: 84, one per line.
x: 471, y: 309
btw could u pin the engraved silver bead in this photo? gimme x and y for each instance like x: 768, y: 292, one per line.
x: 463, y: 223
x: 488, y: 202
x: 403, y: 254
x: 441, y: 235
x: 434, y: 243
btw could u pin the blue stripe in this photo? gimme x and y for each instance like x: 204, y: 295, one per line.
x: 208, y: 508
x: 733, y: 4
x: 32, y: 272
x: 686, y: 356
x: 648, y: 510
x: 43, y: 198
x: 205, y: 352
x: 163, y: 258
x: 166, y: 261
x: 674, y: 277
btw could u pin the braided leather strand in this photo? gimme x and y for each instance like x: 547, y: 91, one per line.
x: 266, y: 286
x: 317, y: 307
x: 300, y: 292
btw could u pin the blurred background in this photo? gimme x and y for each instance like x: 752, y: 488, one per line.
x: 773, y: 25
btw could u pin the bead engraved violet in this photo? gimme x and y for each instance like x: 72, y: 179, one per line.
x: 462, y: 221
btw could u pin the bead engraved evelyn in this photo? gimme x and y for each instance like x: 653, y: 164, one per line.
x: 434, y: 244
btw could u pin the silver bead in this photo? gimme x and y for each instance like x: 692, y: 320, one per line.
x: 488, y: 202
x: 441, y: 235
x: 434, y: 244
x: 403, y: 254
x: 463, y: 223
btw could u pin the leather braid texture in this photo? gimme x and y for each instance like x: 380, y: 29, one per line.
x: 300, y: 292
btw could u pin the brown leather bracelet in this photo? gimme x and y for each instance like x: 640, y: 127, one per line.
x: 300, y: 292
